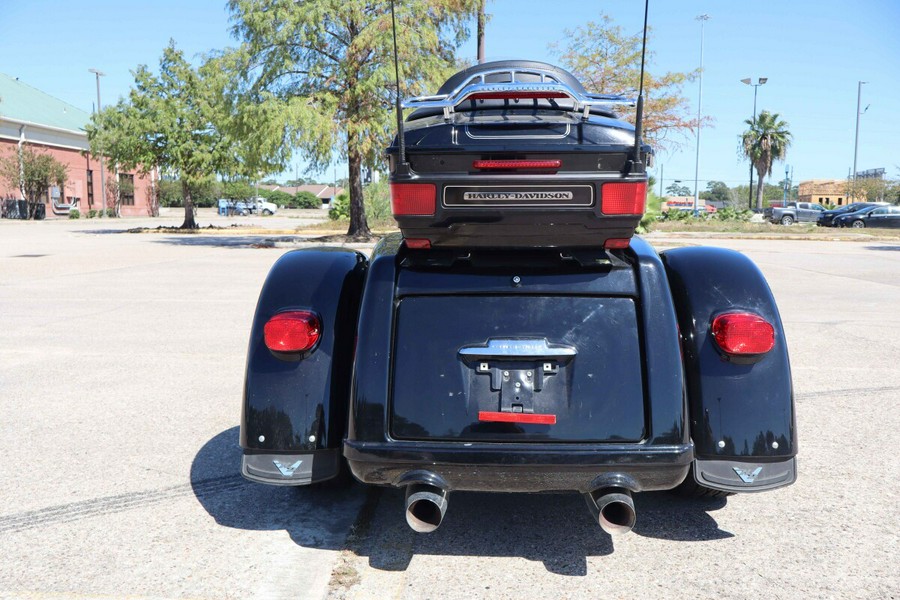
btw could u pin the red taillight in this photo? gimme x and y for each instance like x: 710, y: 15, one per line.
x: 743, y: 334
x: 292, y: 331
x: 411, y: 199
x: 494, y: 165
x: 506, y: 417
x: 623, y: 198
x: 516, y: 95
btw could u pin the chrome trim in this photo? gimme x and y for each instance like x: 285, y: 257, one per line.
x: 507, y: 348
x: 477, y: 84
x: 497, y: 203
x: 520, y: 137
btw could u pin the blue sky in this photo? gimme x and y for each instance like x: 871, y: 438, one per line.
x: 813, y: 53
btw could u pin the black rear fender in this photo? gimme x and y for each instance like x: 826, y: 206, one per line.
x: 741, y: 415
x: 295, y: 406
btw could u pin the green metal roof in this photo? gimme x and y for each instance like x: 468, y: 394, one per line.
x: 21, y: 102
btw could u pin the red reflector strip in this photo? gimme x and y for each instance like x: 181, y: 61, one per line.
x: 292, y: 331
x: 418, y: 244
x: 410, y: 199
x: 516, y: 164
x: 743, y: 333
x: 506, y: 417
x: 617, y: 243
x: 516, y: 95
x: 623, y: 198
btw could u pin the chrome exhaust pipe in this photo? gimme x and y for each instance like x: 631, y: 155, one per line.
x: 425, y: 507
x: 612, y: 508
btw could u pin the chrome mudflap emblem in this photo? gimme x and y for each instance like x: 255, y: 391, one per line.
x: 288, y: 471
x: 748, y: 477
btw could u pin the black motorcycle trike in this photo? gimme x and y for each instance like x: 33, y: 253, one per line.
x: 516, y: 336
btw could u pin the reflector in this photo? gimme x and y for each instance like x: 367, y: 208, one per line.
x: 413, y: 199
x: 506, y: 417
x: 292, y: 331
x: 418, y: 244
x: 623, y: 198
x: 617, y: 243
x: 743, y: 333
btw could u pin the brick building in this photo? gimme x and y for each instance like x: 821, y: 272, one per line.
x: 46, y: 124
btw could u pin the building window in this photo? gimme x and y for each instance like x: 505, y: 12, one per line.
x: 126, y: 189
x: 90, y: 188
x: 820, y: 198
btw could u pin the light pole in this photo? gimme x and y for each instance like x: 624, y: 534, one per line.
x: 749, y: 81
x: 98, y: 75
x: 702, y: 19
x: 858, y: 113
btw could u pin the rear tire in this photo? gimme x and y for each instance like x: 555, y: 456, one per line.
x: 689, y: 488
x: 858, y: 225
x: 787, y: 220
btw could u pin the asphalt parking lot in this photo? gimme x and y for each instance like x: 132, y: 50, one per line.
x: 121, y: 365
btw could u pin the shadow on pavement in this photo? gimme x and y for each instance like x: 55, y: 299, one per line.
x: 313, y: 517
x: 554, y: 529
x: 884, y: 248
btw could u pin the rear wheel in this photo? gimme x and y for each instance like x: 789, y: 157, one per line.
x: 858, y: 225
x: 787, y: 220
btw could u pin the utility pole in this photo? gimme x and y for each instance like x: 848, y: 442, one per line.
x: 787, y: 185
x: 702, y: 19
x: 858, y: 113
x: 98, y: 75
x: 661, y: 171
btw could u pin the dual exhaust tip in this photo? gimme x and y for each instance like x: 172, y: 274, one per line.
x: 612, y: 508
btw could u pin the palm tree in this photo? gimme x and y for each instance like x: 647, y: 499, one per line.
x: 766, y: 141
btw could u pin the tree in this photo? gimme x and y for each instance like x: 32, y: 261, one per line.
x: 172, y: 120
x: 32, y: 173
x: 608, y: 61
x: 675, y: 189
x: 330, y: 63
x: 872, y: 189
x: 717, y: 191
x: 766, y: 141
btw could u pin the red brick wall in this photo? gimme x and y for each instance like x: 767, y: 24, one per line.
x: 77, y: 166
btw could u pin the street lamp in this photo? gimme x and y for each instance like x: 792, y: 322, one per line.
x: 749, y: 81
x: 98, y: 73
x: 702, y: 19
x: 858, y: 113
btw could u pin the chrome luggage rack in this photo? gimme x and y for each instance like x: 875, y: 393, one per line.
x: 476, y: 87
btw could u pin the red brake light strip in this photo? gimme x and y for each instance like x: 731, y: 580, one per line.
x: 487, y: 165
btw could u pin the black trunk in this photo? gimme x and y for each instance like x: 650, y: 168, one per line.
x: 189, y: 222
x: 480, y: 35
x: 358, y: 224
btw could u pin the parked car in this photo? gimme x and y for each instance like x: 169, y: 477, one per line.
x: 871, y: 216
x: 826, y: 218
x: 515, y: 336
x: 794, y: 212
